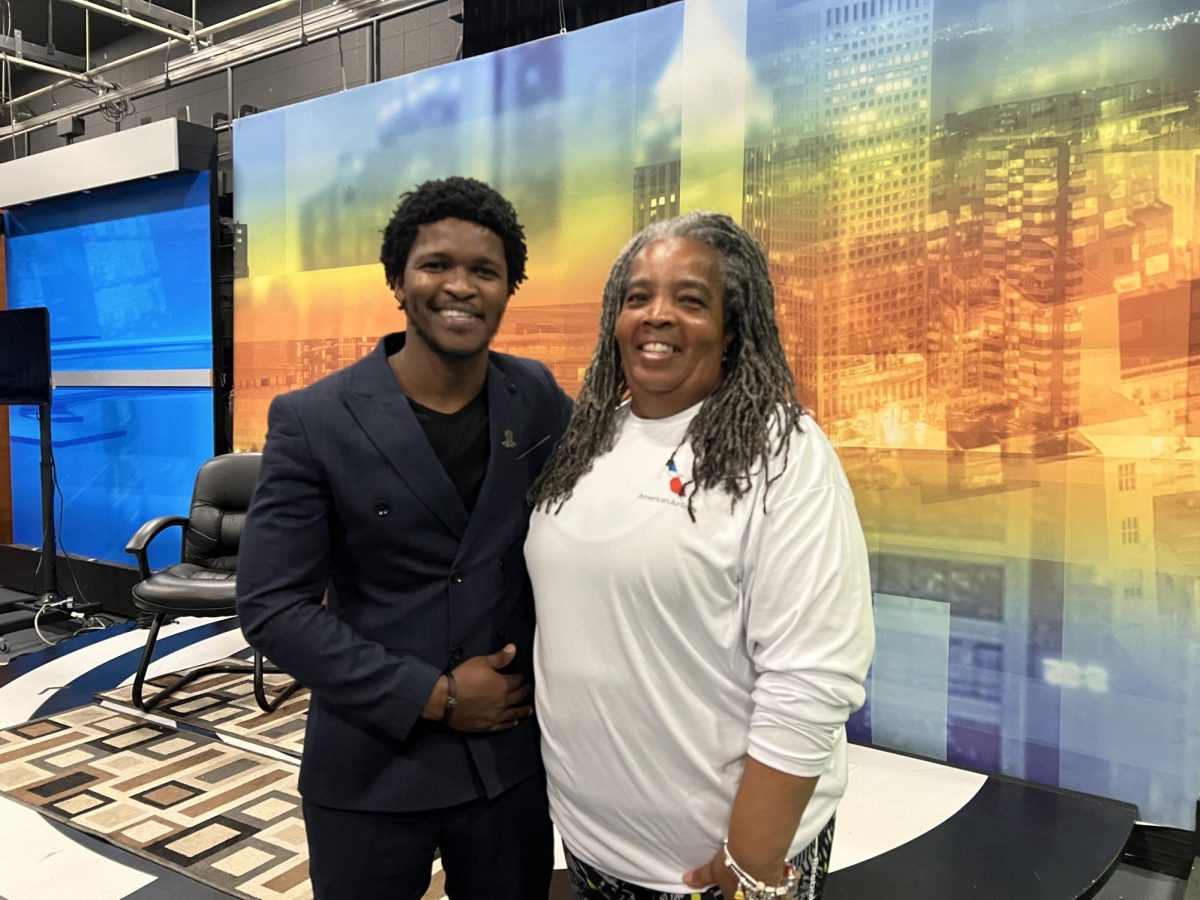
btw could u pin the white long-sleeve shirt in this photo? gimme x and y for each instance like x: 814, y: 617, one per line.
x: 667, y: 650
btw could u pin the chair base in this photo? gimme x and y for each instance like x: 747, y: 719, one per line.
x: 258, y: 669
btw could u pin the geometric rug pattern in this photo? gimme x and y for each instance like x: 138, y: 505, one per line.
x: 180, y: 796
x: 224, y: 704
x: 218, y: 813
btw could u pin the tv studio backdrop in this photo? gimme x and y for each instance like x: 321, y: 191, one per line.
x: 983, y: 224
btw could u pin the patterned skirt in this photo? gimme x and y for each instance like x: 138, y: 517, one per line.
x: 811, y: 865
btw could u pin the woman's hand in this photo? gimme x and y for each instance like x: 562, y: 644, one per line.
x: 713, y: 872
x: 716, y: 871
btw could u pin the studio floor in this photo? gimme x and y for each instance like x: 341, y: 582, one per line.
x: 42, y: 859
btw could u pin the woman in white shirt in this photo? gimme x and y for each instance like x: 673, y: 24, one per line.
x: 702, y: 589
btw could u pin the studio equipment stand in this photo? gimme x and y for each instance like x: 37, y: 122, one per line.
x: 49, y: 564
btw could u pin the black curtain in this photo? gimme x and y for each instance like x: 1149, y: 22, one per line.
x: 495, y: 24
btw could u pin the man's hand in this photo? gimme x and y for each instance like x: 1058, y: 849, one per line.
x: 713, y: 872
x: 487, y: 700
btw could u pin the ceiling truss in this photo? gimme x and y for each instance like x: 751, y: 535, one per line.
x: 19, y: 51
x: 207, y: 55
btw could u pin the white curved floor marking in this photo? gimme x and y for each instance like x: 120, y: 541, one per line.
x: 20, y: 698
x: 36, y: 859
x: 893, y: 799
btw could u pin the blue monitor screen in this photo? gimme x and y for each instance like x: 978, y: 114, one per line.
x: 126, y: 272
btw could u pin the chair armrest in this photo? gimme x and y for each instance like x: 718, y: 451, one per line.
x: 143, y: 536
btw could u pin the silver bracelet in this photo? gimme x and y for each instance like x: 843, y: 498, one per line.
x: 751, y: 888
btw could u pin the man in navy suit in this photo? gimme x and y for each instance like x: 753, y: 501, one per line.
x: 381, y: 564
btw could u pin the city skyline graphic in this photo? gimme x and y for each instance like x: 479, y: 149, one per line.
x: 981, y: 221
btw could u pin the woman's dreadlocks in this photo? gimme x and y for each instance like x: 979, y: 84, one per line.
x: 755, y: 401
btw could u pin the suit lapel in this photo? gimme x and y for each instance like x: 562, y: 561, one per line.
x: 507, y: 441
x: 381, y: 409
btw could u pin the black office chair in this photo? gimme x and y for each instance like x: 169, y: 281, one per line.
x: 204, y: 582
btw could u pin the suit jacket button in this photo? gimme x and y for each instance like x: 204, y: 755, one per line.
x: 501, y: 565
x: 382, y: 509
x: 502, y: 635
x: 456, y: 577
x: 456, y: 654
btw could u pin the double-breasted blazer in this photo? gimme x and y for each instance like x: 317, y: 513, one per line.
x: 353, y: 505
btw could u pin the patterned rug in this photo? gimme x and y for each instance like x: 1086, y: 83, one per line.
x: 220, y: 814
x: 224, y: 705
x: 217, y: 813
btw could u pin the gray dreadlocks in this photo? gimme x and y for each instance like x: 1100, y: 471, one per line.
x: 755, y: 400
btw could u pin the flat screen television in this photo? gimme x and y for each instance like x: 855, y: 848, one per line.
x: 24, y: 356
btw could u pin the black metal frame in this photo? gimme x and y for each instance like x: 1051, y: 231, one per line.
x: 137, y: 546
x: 258, y: 668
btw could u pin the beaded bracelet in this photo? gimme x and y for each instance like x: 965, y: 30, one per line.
x: 751, y: 888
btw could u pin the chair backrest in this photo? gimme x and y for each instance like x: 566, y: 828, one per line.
x: 224, y: 486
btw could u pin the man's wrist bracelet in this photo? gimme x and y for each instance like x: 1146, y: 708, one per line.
x: 751, y: 888
x: 451, y: 698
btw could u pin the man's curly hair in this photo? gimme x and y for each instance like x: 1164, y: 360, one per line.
x: 452, y: 198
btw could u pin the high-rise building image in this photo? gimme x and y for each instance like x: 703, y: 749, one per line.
x: 850, y: 145
x: 1041, y: 209
x: 655, y: 193
x: 759, y: 193
x: 1032, y: 276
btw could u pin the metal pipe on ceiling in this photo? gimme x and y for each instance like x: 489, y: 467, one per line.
x: 112, y: 64
x: 245, y: 17
x: 54, y: 70
x: 19, y: 48
x: 125, y: 17
x: 148, y: 9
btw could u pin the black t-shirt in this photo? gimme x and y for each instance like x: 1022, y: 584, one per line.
x: 460, y: 441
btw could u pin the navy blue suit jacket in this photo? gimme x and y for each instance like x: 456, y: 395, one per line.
x: 353, y: 503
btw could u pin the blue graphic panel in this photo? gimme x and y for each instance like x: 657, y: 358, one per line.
x: 124, y: 455
x: 126, y: 272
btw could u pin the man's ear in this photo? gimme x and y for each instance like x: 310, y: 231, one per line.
x: 398, y: 292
